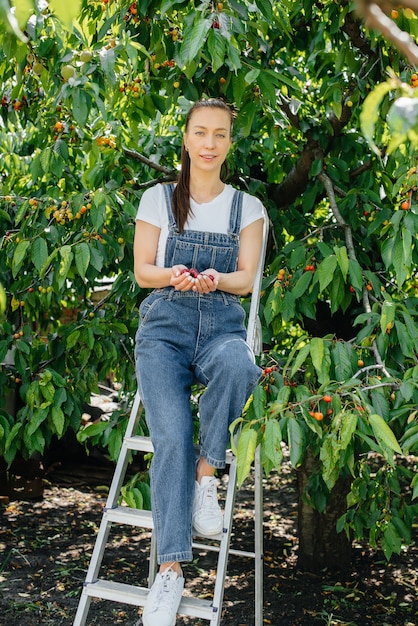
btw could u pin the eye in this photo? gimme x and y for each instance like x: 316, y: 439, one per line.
x: 221, y: 135
x: 199, y: 132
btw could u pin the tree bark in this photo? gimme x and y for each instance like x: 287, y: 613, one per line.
x: 320, y: 546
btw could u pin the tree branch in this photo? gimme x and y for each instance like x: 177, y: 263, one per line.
x: 327, y: 182
x: 297, y: 179
x: 140, y: 157
x: 375, y: 18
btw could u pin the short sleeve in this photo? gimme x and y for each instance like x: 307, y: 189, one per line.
x: 252, y: 210
x: 152, y: 207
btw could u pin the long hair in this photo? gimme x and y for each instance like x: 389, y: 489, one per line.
x: 181, y: 193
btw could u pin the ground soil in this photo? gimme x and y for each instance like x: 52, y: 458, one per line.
x: 46, y: 545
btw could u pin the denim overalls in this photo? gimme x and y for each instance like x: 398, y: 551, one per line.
x: 183, y: 337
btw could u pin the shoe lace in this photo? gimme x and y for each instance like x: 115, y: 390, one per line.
x: 209, y: 496
x: 165, y: 595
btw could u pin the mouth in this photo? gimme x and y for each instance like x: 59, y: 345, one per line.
x: 208, y: 157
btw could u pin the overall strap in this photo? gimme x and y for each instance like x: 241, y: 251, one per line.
x: 235, y: 213
x: 168, y: 192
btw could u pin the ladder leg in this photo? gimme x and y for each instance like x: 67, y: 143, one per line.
x: 83, y: 609
x: 258, y: 538
x: 105, y: 525
x: 224, y: 546
x: 152, y: 572
x: 92, y: 573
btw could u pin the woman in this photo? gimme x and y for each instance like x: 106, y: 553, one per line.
x: 197, y: 245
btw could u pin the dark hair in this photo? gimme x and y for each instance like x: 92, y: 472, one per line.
x: 181, y: 193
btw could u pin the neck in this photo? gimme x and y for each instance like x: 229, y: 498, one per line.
x: 205, y: 188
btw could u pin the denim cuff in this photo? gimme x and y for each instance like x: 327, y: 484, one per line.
x: 219, y: 464
x: 174, y: 557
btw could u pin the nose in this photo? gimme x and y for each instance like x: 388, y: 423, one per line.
x: 209, y: 140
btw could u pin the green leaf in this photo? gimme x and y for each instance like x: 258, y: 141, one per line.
x: 259, y: 402
x: 48, y: 390
x: 388, y: 315
x: 39, y: 253
x: 391, y: 541
x: 272, y: 438
x: 398, y: 261
x: 410, y: 440
x: 65, y: 264
x: 342, y: 258
x: 356, y: 275
x: 193, y: 40
x: 61, y: 148
x: 19, y: 256
x: 281, y: 401
x: 302, y: 284
x: 82, y: 258
x: 317, y: 349
x: 325, y: 271
x: 107, y: 61
x: 301, y: 357
x: 289, y: 306
x: 266, y: 8
x: 48, y: 261
x: 383, y: 433
x: 66, y: 11
x: 348, y: 428
x: 251, y: 76
x: 247, y: 444
x: 371, y: 111
x: 295, y: 441
x: 81, y: 102
x: 342, y: 354
x: 329, y: 459
x: 8, y: 18
x: 216, y: 47
x: 38, y: 417
x: 72, y: 339
x: 414, y: 485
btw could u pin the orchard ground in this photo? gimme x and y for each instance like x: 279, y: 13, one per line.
x: 46, y: 546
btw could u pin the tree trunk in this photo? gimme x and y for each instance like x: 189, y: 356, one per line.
x: 320, y: 546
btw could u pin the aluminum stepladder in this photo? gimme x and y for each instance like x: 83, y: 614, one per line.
x: 210, y: 610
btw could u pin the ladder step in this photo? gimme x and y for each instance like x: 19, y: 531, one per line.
x: 130, y: 594
x: 143, y: 519
x: 132, y: 517
x: 140, y: 443
x: 144, y: 444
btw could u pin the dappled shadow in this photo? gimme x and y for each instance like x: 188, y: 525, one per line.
x: 46, y: 548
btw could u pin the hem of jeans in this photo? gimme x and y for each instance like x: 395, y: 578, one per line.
x: 175, y: 557
x: 217, y: 463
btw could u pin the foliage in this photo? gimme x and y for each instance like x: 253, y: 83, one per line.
x: 91, y: 115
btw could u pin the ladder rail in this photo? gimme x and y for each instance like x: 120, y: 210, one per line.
x: 93, y: 587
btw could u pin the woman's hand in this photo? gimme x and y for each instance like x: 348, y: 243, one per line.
x: 185, y: 279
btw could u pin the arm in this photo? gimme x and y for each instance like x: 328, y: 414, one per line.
x: 147, y: 274
x: 241, y: 281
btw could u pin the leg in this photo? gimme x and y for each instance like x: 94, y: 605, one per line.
x: 164, y: 381
x: 226, y: 366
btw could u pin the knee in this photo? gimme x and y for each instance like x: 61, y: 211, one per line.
x: 238, y: 361
x: 172, y: 443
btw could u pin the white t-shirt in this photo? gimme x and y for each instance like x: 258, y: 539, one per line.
x: 208, y: 217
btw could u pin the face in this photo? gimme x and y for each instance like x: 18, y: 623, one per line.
x: 208, y: 138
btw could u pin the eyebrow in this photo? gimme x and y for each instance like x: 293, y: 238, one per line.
x: 205, y: 127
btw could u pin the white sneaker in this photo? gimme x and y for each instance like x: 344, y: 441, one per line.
x: 207, y: 515
x: 163, y: 599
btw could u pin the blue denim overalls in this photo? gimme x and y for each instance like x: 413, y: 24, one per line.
x: 183, y: 337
